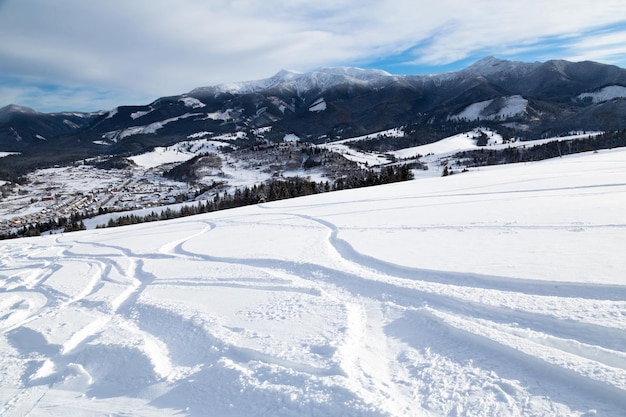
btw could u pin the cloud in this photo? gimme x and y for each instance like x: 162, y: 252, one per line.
x: 121, y: 50
x: 603, y: 45
x: 498, y: 29
x: 55, y: 98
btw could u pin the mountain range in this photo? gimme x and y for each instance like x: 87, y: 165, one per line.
x: 525, y: 100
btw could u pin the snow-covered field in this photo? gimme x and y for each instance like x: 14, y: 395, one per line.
x: 497, y: 292
x: 362, y: 158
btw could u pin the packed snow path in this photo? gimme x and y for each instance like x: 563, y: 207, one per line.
x: 499, y: 292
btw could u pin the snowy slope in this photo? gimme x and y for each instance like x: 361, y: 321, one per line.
x: 495, y: 109
x: 437, y: 154
x: 605, y: 94
x: 498, y: 292
x: 142, y: 130
x: 160, y: 156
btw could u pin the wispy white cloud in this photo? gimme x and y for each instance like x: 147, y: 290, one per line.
x: 143, y: 49
x: 46, y: 97
x: 605, y: 47
x: 480, y: 26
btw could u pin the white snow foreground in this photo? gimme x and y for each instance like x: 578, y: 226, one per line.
x: 498, y: 292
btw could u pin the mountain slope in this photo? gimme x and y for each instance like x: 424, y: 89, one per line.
x: 22, y: 127
x: 557, y: 96
x: 497, y: 292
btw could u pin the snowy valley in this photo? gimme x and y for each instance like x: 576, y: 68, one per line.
x: 139, y: 184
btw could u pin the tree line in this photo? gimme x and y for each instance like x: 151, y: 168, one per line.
x: 67, y: 224
x: 556, y: 148
x: 276, y: 189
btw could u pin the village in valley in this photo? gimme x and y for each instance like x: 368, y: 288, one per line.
x: 89, y: 188
x: 61, y: 192
x: 61, y: 197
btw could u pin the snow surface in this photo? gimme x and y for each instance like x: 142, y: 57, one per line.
x: 194, y: 103
x: 179, y: 152
x: 453, y: 144
x: 504, y: 108
x: 160, y: 156
x: 436, y: 155
x: 70, y: 124
x: 138, y: 114
x: 390, y: 133
x: 290, y: 137
x: 497, y: 292
x: 112, y: 113
x: 318, y: 106
x: 225, y: 116
x: 605, y: 94
x: 363, y: 158
x: 143, y: 130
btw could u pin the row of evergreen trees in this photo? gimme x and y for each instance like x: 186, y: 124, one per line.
x: 67, y: 224
x: 277, y: 189
x: 552, y: 149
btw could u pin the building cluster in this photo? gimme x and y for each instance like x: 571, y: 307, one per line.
x: 36, y: 205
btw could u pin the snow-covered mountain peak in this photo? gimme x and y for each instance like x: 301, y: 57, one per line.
x: 286, y: 74
x: 324, y: 78
x: 353, y: 72
x: 244, y: 87
x: 7, y: 112
x: 14, y: 108
x: 320, y: 79
x: 492, y: 66
x: 488, y: 61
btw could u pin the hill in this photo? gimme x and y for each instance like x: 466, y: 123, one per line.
x: 497, y: 292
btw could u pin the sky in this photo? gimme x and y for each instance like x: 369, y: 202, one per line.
x: 76, y: 55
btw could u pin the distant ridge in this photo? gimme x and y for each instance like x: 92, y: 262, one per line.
x: 517, y: 99
x: 321, y: 79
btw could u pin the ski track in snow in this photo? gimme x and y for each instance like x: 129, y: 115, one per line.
x: 272, y: 310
